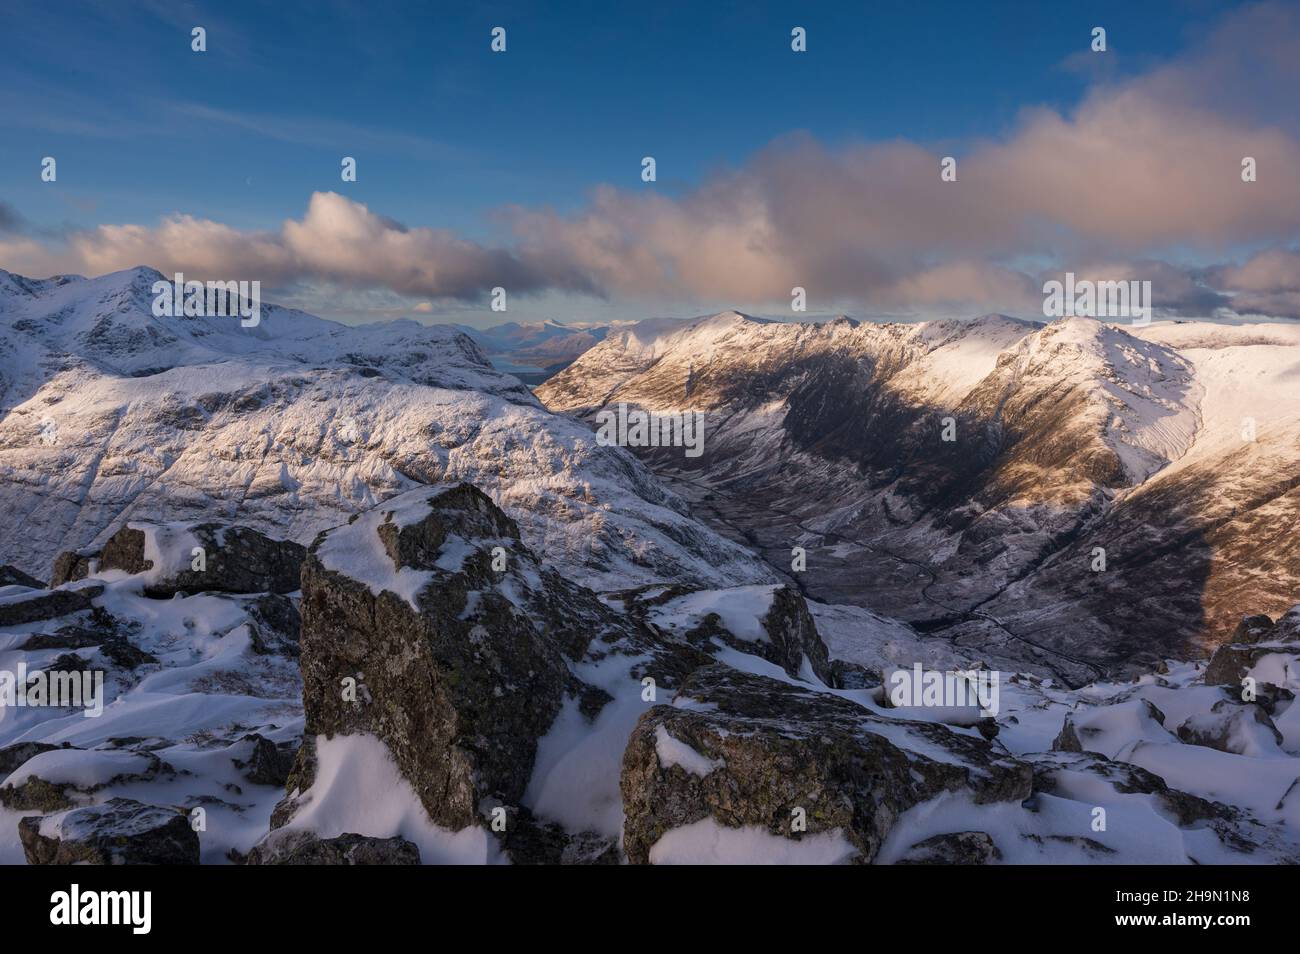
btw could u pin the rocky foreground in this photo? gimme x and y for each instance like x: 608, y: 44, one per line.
x: 417, y: 686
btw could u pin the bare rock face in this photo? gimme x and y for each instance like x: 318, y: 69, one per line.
x: 70, y: 566
x: 1253, y: 629
x: 461, y: 673
x: 793, y: 636
x: 12, y: 576
x: 120, y: 831
x: 305, y: 848
x: 1231, y: 662
x: 747, y: 750
x: 235, y: 560
x: 34, y: 606
x: 787, y: 634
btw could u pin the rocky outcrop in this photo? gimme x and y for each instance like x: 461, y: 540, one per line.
x: 274, y: 624
x: 34, y: 606
x: 232, y: 559
x: 1241, y: 728
x: 792, y: 636
x: 781, y: 629
x: 747, y: 750
x: 34, y: 793
x: 457, y: 641
x: 118, y: 832
x: 1255, y: 638
x: 268, y: 763
x: 529, y: 841
x: 71, y: 566
x: 305, y: 848
x: 1067, y: 740
x: 1232, y: 662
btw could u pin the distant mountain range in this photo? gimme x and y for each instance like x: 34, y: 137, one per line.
x: 110, y: 413
x: 1173, y: 448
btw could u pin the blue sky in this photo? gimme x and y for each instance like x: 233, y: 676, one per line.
x: 447, y: 133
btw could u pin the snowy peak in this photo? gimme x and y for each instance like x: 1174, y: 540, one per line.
x: 111, y: 413
x: 1140, y: 397
x: 109, y: 323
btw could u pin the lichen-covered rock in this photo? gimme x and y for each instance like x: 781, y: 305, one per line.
x: 954, y: 848
x: 120, y: 831
x: 43, y: 786
x: 747, y: 750
x: 305, y: 848
x: 793, y: 637
x: 456, y: 638
x: 35, y: 794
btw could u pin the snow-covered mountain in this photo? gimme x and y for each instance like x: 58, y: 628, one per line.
x: 357, y: 597
x: 110, y: 413
x: 962, y: 476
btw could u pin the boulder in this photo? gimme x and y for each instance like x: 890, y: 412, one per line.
x: 793, y: 637
x: 461, y: 667
x: 746, y: 750
x: 1067, y: 740
x: 1253, y: 629
x: 1240, y: 728
x: 850, y: 675
x: 268, y: 763
x: 119, y: 831
x: 1232, y: 661
x: 955, y: 848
